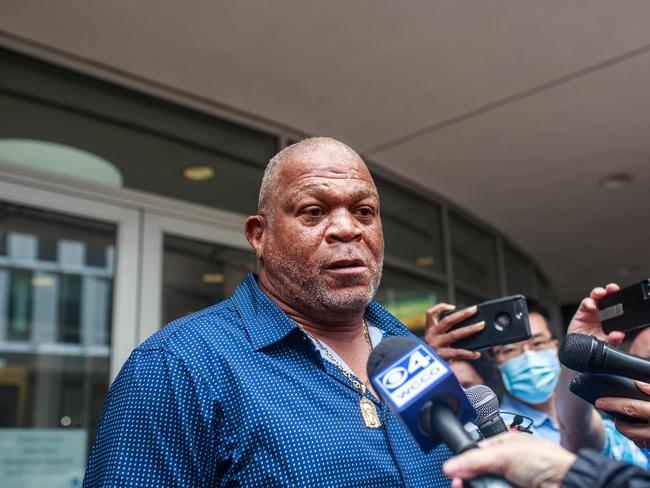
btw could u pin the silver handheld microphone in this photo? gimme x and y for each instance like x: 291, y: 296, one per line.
x: 486, y: 404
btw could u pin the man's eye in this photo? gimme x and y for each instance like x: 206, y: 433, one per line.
x: 313, y: 211
x: 366, y: 211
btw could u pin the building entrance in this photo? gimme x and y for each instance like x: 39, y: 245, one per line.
x: 84, y: 277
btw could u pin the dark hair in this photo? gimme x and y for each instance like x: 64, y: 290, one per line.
x: 535, y: 307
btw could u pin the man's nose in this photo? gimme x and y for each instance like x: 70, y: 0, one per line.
x: 342, y: 227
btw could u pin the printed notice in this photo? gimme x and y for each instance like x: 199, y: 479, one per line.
x: 54, y: 458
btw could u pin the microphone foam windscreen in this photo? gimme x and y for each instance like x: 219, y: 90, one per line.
x: 575, y: 350
x: 484, y: 401
x: 388, y: 351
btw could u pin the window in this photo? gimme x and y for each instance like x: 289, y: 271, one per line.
x: 19, y: 316
x: 412, y: 228
x: 56, y: 275
x: 199, y: 274
x: 147, y: 141
x: 474, y: 258
x: 517, y: 269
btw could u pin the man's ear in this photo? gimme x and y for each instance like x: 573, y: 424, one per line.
x: 255, y: 230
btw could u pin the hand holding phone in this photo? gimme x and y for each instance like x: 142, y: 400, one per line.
x: 505, y: 321
x: 587, y: 320
x: 439, y: 337
x: 626, y: 309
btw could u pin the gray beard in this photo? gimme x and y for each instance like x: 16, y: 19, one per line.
x: 316, y: 296
x: 343, y: 300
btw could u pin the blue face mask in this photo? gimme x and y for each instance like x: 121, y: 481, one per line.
x: 532, y: 376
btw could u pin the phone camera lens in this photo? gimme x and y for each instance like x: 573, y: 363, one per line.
x: 502, y: 321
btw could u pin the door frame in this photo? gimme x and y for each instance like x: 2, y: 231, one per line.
x: 126, y: 220
x: 142, y: 219
x: 155, y: 226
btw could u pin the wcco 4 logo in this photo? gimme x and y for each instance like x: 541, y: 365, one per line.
x: 412, y: 374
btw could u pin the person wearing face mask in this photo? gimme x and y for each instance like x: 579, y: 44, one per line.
x: 536, y: 386
x: 530, y: 371
x: 531, y: 374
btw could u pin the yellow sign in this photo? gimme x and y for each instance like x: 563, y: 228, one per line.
x: 411, y: 311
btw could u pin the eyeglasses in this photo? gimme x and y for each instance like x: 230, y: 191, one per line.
x: 510, y: 351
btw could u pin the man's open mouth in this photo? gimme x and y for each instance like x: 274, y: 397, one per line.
x: 347, y: 265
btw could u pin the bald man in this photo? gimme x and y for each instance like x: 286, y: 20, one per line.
x: 269, y: 387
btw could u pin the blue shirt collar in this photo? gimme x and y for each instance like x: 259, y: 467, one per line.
x: 254, y: 305
x: 511, y: 404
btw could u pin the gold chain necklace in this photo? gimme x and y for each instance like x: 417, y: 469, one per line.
x: 367, y: 407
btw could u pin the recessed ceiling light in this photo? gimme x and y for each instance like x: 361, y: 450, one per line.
x: 615, y: 181
x: 424, y: 261
x: 213, y: 278
x: 198, y: 173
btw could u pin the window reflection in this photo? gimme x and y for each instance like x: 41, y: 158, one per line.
x: 199, y: 274
x: 474, y: 257
x: 56, y: 279
x: 412, y: 228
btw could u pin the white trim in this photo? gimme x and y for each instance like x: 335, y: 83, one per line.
x: 56, y: 267
x: 151, y: 286
x: 57, y: 349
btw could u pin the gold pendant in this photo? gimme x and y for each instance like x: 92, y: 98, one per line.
x: 369, y: 412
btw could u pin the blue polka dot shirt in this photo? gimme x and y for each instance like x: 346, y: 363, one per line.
x: 238, y: 395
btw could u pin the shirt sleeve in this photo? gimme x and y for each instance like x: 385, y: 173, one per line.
x: 155, y: 428
x: 596, y: 471
x: 620, y: 448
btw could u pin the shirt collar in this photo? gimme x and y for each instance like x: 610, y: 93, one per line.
x: 267, y: 324
x: 511, y: 404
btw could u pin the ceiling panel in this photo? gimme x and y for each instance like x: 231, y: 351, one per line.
x: 533, y: 168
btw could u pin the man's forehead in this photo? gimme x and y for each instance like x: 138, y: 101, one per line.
x: 317, y: 186
x: 324, y: 165
x: 312, y: 168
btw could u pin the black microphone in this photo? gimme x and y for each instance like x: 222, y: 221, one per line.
x: 591, y: 387
x: 486, y: 404
x: 587, y: 354
x: 424, y: 394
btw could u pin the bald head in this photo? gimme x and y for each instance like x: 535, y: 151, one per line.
x: 313, y: 149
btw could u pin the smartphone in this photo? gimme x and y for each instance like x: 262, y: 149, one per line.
x: 626, y: 309
x: 506, y: 321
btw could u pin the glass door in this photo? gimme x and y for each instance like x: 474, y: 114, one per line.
x: 189, y: 265
x: 67, y: 322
